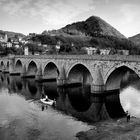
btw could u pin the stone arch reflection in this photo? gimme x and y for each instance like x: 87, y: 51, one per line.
x: 2, y: 78
x: 79, y: 98
x: 113, y: 105
x: 8, y: 80
x: 50, y: 89
x: 19, y: 85
x: 32, y: 88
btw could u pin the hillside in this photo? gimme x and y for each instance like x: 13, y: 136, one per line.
x: 135, y: 39
x: 93, y: 32
x: 10, y: 34
x: 92, y: 27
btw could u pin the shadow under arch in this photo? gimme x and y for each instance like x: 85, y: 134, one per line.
x: 114, y: 80
x: 18, y: 66
x: 7, y: 65
x: 51, y: 71
x: 2, y: 64
x: 32, y: 69
x: 79, y: 73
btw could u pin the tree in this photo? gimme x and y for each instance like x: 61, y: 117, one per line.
x: 33, y: 47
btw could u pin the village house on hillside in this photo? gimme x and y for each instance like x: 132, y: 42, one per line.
x: 11, y: 42
x: 3, y: 38
x: 106, y: 51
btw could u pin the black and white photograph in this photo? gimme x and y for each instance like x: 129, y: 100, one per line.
x: 69, y: 70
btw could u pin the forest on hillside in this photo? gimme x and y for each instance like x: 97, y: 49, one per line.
x: 75, y: 45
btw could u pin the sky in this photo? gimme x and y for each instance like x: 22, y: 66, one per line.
x: 35, y: 16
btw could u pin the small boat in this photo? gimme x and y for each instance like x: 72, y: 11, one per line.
x: 47, y: 101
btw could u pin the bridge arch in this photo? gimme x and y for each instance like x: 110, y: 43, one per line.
x: 115, y: 75
x: 7, y: 65
x: 32, y: 68
x: 80, y: 73
x: 2, y: 64
x: 18, y: 66
x: 51, y: 71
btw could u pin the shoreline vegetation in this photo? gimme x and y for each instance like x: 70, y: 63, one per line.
x: 118, y: 129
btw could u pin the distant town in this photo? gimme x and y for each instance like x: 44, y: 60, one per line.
x: 25, y: 45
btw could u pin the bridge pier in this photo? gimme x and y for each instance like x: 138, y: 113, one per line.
x: 62, y: 80
x: 6, y: 70
x: 11, y: 65
x: 97, y: 86
x: 39, y: 74
x: 23, y: 73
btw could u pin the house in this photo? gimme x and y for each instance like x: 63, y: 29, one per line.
x: 4, y: 38
x: 90, y: 50
x: 26, y: 50
x: 9, y: 44
x: 105, y: 51
x: 123, y: 52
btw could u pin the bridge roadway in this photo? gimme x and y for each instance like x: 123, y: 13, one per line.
x: 101, y: 72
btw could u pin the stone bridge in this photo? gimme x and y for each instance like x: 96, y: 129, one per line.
x: 101, y: 72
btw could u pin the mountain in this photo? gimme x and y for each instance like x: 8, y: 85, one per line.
x: 135, y: 39
x: 10, y: 34
x: 93, y: 32
x: 92, y: 27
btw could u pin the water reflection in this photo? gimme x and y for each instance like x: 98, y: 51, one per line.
x: 76, y: 101
x: 130, y: 94
x: 79, y: 98
x: 21, y: 120
x: 114, y: 106
x: 130, y: 100
x: 23, y: 116
x: 24, y: 119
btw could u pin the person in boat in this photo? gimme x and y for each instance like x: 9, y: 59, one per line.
x: 54, y: 103
x: 42, y: 107
x: 43, y: 96
x: 47, y: 100
x: 127, y: 116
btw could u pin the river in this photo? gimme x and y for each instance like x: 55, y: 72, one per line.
x: 24, y: 117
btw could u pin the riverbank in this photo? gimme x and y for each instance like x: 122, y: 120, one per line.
x: 113, y: 130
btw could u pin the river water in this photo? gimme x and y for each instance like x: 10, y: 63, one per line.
x: 24, y: 117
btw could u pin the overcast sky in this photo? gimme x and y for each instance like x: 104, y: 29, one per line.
x: 27, y: 16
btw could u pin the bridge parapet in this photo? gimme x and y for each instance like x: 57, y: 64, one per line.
x: 85, y: 57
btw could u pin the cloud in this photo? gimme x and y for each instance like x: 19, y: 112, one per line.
x: 53, y: 13
x: 129, y: 22
x: 14, y: 7
x: 130, y: 12
x: 62, y: 13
